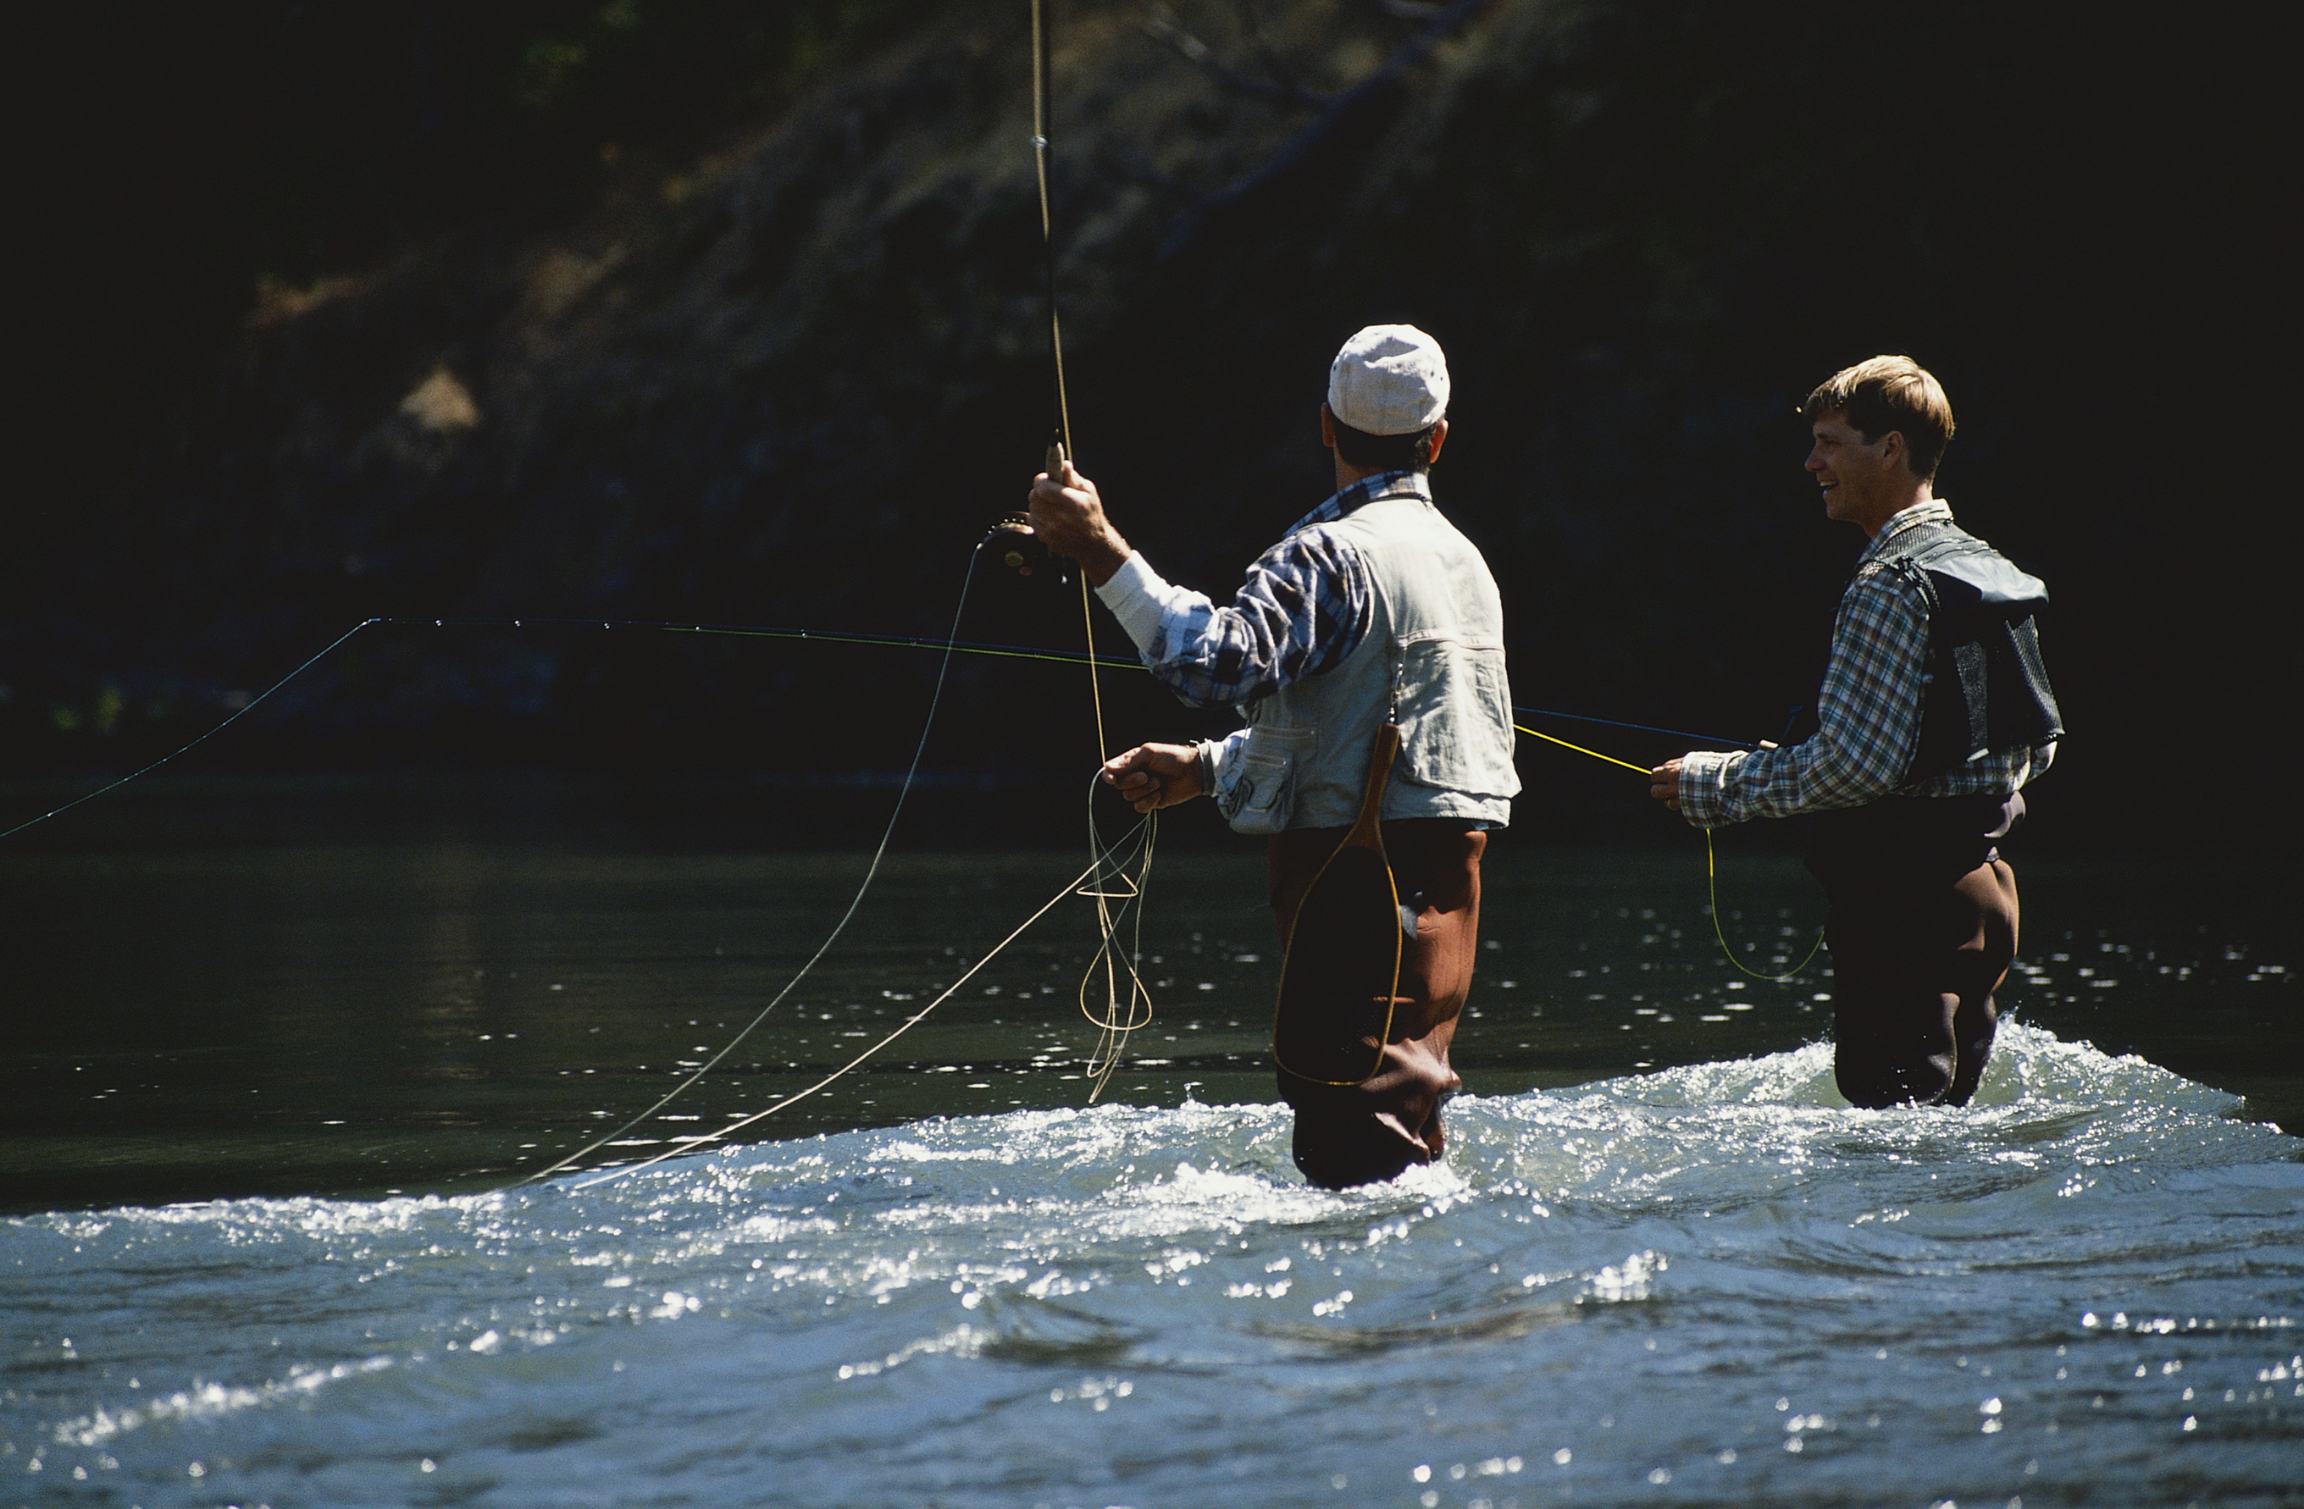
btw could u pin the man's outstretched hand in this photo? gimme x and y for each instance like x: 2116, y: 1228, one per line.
x: 1664, y: 780
x: 1664, y: 784
x: 1156, y: 775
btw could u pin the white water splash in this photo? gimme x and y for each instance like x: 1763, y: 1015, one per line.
x: 1713, y: 1283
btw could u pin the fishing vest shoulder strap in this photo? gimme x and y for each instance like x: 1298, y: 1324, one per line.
x: 1988, y: 690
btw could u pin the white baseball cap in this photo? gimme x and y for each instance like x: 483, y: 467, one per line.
x: 1389, y: 380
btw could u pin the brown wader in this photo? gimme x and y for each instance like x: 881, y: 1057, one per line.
x: 1361, y: 1134
x: 1922, y: 928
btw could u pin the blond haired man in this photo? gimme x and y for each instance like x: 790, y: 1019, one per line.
x: 1934, y: 713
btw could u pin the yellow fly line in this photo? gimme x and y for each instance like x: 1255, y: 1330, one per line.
x: 1116, y: 878
x: 1711, y: 870
x: 1580, y: 749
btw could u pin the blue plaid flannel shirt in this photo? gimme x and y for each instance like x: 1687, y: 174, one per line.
x: 1306, y: 604
x: 1868, y: 716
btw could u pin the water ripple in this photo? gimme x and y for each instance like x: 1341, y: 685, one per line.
x: 1715, y: 1282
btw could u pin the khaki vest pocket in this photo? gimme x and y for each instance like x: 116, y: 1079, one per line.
x: 1455, y: 707
x: 1263, y: 796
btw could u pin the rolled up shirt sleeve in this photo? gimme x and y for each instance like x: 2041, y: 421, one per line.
x: 1138, y: 598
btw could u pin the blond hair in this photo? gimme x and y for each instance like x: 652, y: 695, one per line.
x: 1890, y: 393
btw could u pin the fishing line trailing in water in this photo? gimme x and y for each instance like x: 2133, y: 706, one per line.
x: 236, y: 715
x: 911, y: 773
x: 688, y: 1145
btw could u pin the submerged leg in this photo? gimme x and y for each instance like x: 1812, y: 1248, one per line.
x: 1914, y: 969
x: 1991, y: 892
x: 1347, y: 1135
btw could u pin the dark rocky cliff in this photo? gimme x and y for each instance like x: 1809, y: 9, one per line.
x: 782, y: 364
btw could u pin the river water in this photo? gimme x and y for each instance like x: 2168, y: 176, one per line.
x: 277, y: 1079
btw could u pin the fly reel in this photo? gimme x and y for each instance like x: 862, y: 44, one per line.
x: 1017, y: 546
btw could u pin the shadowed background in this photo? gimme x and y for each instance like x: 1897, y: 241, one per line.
x: 732, y: 313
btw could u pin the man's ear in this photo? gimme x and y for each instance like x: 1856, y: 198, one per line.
x: 1893, y: 449
x: 1327, y: 425
x: 1439, y: 438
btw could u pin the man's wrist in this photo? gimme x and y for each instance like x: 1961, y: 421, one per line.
x: 1703, y: 777
x: 1102, y: 558
x: 1204, y: 753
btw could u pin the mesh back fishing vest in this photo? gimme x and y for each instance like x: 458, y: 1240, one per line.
x: 1988, y: 689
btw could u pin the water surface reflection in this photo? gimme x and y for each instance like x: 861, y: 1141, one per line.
x: 303, y: 988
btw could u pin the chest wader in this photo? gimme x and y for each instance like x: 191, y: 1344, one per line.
x: 1923, y: 915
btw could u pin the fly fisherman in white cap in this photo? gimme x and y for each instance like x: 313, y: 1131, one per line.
x: 1372, y: 611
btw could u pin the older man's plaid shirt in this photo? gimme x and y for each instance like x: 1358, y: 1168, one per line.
x: 1306, y: 604
x: 1868, y: 714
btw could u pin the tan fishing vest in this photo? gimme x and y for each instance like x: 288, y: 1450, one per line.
x: 1432, y: 661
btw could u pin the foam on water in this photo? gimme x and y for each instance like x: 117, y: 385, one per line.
x: 1715, y: 1282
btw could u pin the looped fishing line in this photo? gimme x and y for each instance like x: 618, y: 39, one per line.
x: 1107, y: 866
x: 1712, y: 889
x: 1114, y: 881
x: 1070, y: 887
x: 911, y: 772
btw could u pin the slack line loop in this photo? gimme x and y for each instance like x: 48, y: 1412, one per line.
x: 927, y: 725
x: 1712, y: 891
x: 905, y: 1026
x: 1114, y: 881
